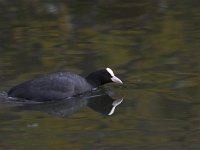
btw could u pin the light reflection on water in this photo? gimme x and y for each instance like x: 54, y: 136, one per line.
x: 151, y: 45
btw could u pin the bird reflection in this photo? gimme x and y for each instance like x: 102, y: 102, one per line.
x: 103, y: 104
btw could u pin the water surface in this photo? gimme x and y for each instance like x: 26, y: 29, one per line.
x: 153, y: 46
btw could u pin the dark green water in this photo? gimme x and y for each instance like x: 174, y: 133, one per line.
x: 153, y: 46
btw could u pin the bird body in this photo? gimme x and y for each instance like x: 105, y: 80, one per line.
x: 60, y: 85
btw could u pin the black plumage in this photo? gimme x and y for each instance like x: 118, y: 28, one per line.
x: 61, y: 85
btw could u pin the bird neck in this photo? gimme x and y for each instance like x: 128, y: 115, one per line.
x: 94, y: 83
x: 94, y: 80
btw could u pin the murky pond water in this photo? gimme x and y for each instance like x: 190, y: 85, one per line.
x: 153, y: 46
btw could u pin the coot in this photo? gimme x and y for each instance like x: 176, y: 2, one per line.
x: 61, y: 85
